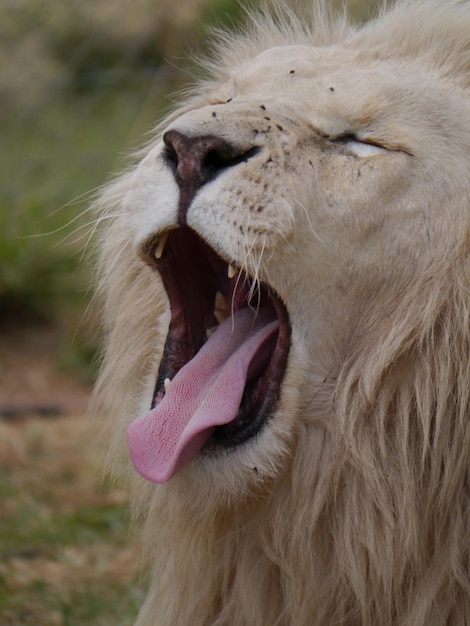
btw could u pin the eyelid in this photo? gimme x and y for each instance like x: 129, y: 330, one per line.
x: 354, y: 142
x: 360, y: 147
x: 365, y: 149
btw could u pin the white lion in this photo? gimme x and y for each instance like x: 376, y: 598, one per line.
x: 287, y: 301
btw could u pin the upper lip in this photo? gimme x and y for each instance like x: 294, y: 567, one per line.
x: 202, y: 289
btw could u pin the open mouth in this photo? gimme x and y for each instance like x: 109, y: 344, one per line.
x: 223, y: 363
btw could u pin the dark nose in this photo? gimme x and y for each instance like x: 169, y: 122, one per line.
x: 197, y: 160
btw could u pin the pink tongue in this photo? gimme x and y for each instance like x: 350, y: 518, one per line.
x: 205, y: 393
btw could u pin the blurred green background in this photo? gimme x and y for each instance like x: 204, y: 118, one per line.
x: 81, y: 81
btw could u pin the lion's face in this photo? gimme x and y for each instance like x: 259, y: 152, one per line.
x: 292, y: 201
x: 286, y: 297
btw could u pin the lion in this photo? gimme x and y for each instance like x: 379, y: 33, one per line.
x: 285, y: 271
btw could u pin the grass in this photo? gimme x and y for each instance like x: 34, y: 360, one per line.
x: 47, y: 176
x: 45, y: 180
x: 100, y: 84
x: 65, y: 555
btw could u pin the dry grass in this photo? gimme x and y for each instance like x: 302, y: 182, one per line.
x: 65, y: 555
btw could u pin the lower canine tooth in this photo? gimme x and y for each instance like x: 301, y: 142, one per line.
x: 221, y: 307
x: 166, y: 384
x: 221, y: 302
x: 220, y: 316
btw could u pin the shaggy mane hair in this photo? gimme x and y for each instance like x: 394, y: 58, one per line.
x: 369, y: 522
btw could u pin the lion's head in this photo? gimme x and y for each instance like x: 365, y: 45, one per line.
x: 287, y: 279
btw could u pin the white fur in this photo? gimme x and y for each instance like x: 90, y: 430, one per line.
x: 356, y: 211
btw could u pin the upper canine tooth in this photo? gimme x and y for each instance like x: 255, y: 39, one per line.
x: 161, y: 245
x: 232, y: 270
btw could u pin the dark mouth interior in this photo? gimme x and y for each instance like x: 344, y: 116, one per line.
x: 193, y: 274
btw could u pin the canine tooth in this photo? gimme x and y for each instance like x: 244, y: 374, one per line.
x: 166, y: 384
x: 161, y: 245
x: 221, y: 302
x: 220, y: 316
x: 221, y: 307
x: 232, y: 270
x: 210, y: 331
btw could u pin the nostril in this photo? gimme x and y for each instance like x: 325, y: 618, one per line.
x: 199, y: 158
x: 218, y: 160
x: 195, y: 160
x: 214, y: 162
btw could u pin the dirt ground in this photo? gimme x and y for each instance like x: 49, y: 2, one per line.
x: 31, y: 379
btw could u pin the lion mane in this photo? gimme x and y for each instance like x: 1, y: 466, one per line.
x: 351, y: 505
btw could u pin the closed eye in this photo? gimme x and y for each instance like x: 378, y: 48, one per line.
x: 360, y: 147
x: 363, y: 149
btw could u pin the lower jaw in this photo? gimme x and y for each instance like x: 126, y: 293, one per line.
x: 242, y: 429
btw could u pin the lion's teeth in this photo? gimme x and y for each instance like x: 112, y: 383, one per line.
x: 210, y: 331
x: 232, y: 270
x: 221, y: 302
x: 221, y: 307
x: 166, y: 384
x: 161, y: 245
x: 220, y: 316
